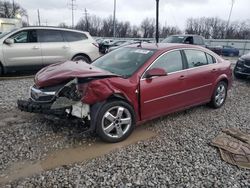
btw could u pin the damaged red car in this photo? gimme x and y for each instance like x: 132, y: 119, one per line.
x: 129, y: 86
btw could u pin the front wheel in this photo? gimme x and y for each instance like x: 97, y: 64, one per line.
x: 219, y: 96
x: 115, y: 121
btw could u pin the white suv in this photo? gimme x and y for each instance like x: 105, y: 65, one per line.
x: 30, y: 48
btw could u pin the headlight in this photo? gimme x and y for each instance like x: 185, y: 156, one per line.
x: 240, y: 62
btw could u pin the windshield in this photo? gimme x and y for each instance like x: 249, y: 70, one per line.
x: 124, y: 61
x: 6, y: 33
x: 174, y: 39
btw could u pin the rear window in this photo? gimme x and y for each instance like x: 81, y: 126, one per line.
x: 71, y: 36
x: 195, y: 58
x: 50, y: 36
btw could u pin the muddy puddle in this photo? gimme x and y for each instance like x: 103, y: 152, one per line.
x: 71, y: 155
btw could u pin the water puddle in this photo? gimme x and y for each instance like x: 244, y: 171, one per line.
x: 71, y: 155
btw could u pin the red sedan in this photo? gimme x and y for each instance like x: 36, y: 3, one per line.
x: 130, y: 85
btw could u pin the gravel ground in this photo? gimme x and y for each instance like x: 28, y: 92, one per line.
x: 180, y: 156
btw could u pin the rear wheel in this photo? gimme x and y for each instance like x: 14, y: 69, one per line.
x: 81, y: 58
x: 115, y: 121
x: 219, y: 95
x: 1, y: 70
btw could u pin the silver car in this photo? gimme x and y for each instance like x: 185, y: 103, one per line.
x: 30, y: 48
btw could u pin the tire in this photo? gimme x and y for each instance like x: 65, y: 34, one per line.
x: 1, y: 70
x: 115, y: 121
x: 81, y: 58
x: 219, y: 95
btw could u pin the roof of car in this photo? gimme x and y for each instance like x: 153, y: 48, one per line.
x: 163, y: 46
x: 51, y: 27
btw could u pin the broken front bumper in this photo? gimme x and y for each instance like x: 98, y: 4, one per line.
x: 43, y: 108
x: 54, y: 102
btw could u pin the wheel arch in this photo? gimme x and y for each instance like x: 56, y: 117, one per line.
x: 2, y: 67
x: 95, y: 108
x: 82, y: 54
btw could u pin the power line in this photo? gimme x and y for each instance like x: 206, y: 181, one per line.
x: 114, y: 26
x: 86, y: 19
x: 72, y: 7
x: 229, y: 17
x: 38, y: 15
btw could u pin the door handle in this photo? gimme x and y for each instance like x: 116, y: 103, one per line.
x: 182, y: 77
x: 65, y: 47
x: 35, y: 48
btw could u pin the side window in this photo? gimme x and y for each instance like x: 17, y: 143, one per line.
x: 195, y: 58
x: 170, y: 62
x: 50, y: 36
x: 198, y: 40
x: 27, y: 36
x: 210, y: 59
x: 20, y: 37
x: 73, y: 36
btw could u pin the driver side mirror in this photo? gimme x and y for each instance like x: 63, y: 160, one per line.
x: 155, y: 72
x: 9, y: 41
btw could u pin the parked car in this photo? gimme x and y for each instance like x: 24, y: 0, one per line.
x: 242, y: 67
x: 129, y: 86
x: 230, y: 51
x: 126, y: 44
x: 185, y: 39
x: 30, y: 48
x: 104, y: 45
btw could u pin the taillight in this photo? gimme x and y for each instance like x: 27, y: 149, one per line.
x: 96, y: 45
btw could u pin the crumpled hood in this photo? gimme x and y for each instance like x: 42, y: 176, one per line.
x: 60, y: 72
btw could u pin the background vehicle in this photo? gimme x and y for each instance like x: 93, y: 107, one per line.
x: 242, y: 67
x: 130, y: 85
x: 30, y: 48
x: 104, y: 44
x: 229, y: 51
x: 186, y: 39
x: 106, y: 47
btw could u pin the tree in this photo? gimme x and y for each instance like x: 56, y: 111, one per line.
x: 148, y: 27
x: 11, y: 10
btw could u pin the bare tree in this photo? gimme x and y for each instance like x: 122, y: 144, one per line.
x: 11, y: 10
x: 148, y: 27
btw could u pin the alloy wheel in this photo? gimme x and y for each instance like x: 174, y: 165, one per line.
x: 116, y: 122
x: 220, y: 94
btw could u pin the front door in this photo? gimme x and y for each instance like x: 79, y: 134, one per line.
x: 24, y: 52
x: 164, y: 94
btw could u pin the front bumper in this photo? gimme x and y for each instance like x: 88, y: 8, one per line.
x: 243, y: 68
x: 42, y: 108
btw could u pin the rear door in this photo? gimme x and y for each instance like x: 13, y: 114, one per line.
x: 201, y: 74
x: 25, y: 51
x: 54, y: 47
x: 161, y: 95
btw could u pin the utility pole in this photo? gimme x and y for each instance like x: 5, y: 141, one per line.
x: 38, y: 15
x: 72, y: 7
x: 114, y: 26
x: 157, y: 22
x: 86, y: 19
x: 229, y: 17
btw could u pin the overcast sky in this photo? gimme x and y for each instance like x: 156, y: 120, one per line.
x: 172, y: 12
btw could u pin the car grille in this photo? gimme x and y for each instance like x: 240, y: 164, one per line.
x: 40, y: 95
x: 247, y: 63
